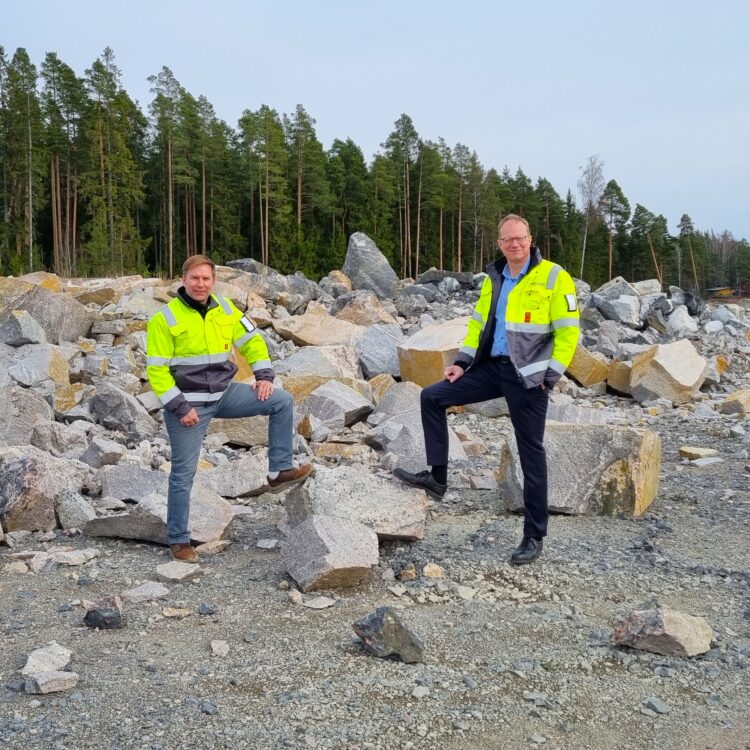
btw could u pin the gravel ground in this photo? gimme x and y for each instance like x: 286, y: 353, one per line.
x: 523, y: 661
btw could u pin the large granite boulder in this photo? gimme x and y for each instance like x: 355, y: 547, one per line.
x: 328, y: 361
x: 378, y: 350
x: 361, y: 307
x: 118, y: 410
x: 673, y: 371
x: 391, y: 509
x: 336, y: 404
x: 61, y: 317
x: 424, y: 356
x: 317, y: 328
x: 592, y: 469
x: 21, y: 409
x: 30, y: 480
x: 368, y: 268
x: 210, y: 519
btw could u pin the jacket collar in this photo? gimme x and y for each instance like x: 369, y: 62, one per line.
x: 495, y: 267
x: 200, y: 307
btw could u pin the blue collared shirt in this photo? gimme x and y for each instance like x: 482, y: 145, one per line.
x: 500, y: 341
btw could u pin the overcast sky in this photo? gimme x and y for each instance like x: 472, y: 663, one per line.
x: 660, y: 90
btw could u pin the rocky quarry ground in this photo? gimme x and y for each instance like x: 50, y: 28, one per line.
x: 255, y: 647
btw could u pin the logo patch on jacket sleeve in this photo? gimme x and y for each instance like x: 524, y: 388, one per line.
x: 247, y: 324
x: 527, y: 317
x: 572, y: 302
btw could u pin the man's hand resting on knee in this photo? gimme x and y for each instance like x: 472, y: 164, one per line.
x: 264, y: 388
x: 190, y: 419
x: 453, y: 373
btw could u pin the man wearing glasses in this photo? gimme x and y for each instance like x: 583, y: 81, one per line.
x: 520, y: 340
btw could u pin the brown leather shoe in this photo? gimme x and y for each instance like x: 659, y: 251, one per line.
x: 289, y: 477
x: 183, y: 553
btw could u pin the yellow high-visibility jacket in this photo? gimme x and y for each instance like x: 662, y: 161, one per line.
x: 541, y: 322
x: 188, y: 355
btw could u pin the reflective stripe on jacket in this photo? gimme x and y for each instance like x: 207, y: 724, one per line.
x: 541, y: 322
x: 188, y: 356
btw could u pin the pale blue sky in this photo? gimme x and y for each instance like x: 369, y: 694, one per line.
x: 660, y: 90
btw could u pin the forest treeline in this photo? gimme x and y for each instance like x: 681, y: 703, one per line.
x: 93, y: 186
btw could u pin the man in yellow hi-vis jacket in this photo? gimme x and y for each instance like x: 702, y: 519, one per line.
x: 521, y: 338
x: 188, y: 348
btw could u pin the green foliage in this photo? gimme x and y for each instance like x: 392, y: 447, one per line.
x: 89, y: 185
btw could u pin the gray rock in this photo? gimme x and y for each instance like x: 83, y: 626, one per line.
x: 130, y: 483
x: 398, y: 513
x: 36, y: 363
x: 402, y: 436
x: 210, y: 519
x: 50, y: 658
x: 61, y: 317
x: 20, y: 328
x: 399, y: 398
x: 146, y: 592
x: 384, y: 635
x: 245, y: 477
x: 595, y: 469
x: 21, y: 409
x: 73, y: 510
x: 368, y: 268
x: 325, y: 552
x: 680, y: 324
x: 657, y: 705
x: 103, y: 452
x: 105, y: 614
x: 615, y: 288
x: 30, y: 480
x: 327, y: 361
x: 666, y: 631
x: 336, y: 404
x: 377, y: 351
x: 43, y: 683
x: 117, y: 410
x: 58, y: 439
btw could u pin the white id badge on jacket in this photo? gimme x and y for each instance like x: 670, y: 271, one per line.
x: 247, y: 324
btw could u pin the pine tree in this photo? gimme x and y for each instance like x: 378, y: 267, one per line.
x: 111, y: 179
x: 24, y: 163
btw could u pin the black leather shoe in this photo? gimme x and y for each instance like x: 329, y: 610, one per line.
x: 527, y: 551
x: 424, y: 480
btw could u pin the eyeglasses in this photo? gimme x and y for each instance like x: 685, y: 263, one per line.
x: 511, y: 240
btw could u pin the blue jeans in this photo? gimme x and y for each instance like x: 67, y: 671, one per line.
x: 239, y: 400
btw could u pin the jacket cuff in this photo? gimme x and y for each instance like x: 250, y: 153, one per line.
x: 462, y: 362
x: 179, y: 406
x: 551, y: 377
x: 266, y: 373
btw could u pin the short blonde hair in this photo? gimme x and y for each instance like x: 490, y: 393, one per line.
x: 198, y: 260
x: 512, y: 217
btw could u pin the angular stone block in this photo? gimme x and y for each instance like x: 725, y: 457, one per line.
x: 393, y: 511
x: 666, y: 631
x: 592, y: 469
x: 325, y: 552
x: 424, y: 356
x: 673, y: 371
x: 587, y: 368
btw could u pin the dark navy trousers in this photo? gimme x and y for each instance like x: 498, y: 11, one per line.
x: 528, y: 411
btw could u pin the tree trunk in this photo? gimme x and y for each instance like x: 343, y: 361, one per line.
x: 440, y: 234
x: 653, y: 256
x: 419, y: 216
x: 170, y: 209
x: 458, y: 245
x: 203, y: 205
